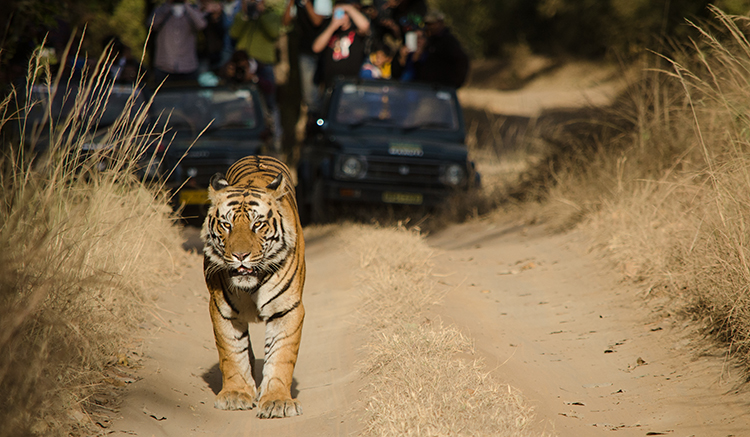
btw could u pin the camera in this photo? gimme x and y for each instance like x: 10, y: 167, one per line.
x: 251, y: 9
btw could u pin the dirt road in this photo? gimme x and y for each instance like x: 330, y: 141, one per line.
x: 588, y: 353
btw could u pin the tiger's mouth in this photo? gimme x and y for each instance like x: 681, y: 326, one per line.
x: 242, y: 271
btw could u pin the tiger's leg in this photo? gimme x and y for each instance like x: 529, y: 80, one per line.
x: 236, y: 361
x: 282, y: 345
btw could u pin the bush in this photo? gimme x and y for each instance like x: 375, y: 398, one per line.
x: 80, y: 250
x: 670, y: 195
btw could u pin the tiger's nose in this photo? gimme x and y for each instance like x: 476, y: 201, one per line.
x: 241, y: 256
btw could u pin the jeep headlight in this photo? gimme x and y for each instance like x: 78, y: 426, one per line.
x: 452, y: 175
x: 352, y: 167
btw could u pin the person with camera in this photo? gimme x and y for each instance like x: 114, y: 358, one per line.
x: 256, y: 29
x: 440, y: 58
x: 176, y: 24
x: 308, y: 25
x: 341, y: 45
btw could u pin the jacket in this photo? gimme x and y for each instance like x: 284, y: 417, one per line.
x: 257, y: 37
x: 176, y: 37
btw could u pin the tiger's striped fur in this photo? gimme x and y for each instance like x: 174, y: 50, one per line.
x: 254, y: 265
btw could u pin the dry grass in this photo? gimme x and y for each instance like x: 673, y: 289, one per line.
x: 81, y: 251
x: 670, y: 197
x: 422, y: 378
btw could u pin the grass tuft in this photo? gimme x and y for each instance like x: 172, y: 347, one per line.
x: 422, y: 378
x: 669, y: 193
x: 82, y: 248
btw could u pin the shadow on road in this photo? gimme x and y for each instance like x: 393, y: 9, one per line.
x: 212, y: 377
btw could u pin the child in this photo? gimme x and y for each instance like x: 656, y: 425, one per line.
x: 379, y: 64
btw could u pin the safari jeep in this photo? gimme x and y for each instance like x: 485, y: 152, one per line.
x: 383, y: 142
x: 207, y: 129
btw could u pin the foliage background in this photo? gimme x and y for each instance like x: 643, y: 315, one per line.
x: 488, y: 28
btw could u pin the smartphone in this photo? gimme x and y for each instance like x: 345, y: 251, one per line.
x: 338, y: 14
x: 411, y: 41
x: 323, y: 7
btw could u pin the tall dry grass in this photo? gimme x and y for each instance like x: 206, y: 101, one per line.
x: 670, y: 197
x: 81, y: 253
x: 422, y: 378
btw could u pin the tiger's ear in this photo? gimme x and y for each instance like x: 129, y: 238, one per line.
x: 217, y: 183
x: 275, y: 184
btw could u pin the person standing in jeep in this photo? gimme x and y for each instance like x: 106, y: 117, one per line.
x: 176, y: 25
x: 440, y: 58
x: 341, y: 45
x: 309, y: 24
x: 256, y: 28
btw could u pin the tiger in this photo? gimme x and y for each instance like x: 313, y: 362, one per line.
x: 254, y: 266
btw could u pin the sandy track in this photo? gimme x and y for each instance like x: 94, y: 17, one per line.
x: 588, y: 352
x: 548, y: 318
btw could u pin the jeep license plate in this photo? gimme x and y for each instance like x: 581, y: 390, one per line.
x: 194, y: 197
x: 402, y: 198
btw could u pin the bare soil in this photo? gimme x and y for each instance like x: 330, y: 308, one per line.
x: 588, y: 352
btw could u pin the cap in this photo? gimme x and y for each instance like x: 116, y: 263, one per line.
x: 434, y: 16
x: 365, y: 3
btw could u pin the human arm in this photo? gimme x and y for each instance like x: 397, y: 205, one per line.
x: 316, y: 19
x: 160, y: 15
x: 303, y: 6
x: 361, y: 22
x: 239, y: 24
x: 459, y: 63
x: 321, y: 42
x: 212, y: 10
x: 270, y: 24
x: 286, y: 19
x: 197, y: 19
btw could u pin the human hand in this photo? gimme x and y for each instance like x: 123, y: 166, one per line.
x: 211, y: 7
x: 339, y: 16
x: 403, y: 53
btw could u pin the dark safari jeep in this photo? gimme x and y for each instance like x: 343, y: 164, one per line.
x: 231, y: 125
x: 384, y: 142
x: 96, y: 110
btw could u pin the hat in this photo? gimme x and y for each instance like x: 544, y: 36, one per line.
x: 434, y: 16
x: 365, y: 3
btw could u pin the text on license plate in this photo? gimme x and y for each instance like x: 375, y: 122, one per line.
x: 194, y: 197
x: 403, y: 198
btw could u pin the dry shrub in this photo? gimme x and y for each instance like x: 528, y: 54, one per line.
x: 398, y: 272
x: 672, y: 197
x: 421, y: 388
x: 423, y: 381
x: 81, y: 251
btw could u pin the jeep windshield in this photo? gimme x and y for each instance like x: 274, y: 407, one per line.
x: 192, y: 110
x: 94, y: 110
x: 408, y: 108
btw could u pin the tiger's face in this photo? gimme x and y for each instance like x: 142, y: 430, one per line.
x: 246, y: 232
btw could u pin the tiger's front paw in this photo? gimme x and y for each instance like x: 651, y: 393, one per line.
x: 279, y: 408
x: 234, y: 400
